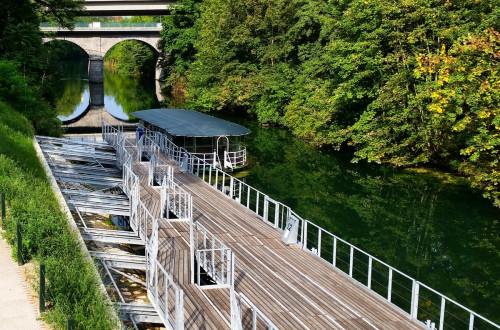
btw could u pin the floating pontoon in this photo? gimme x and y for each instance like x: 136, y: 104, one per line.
x: 214, y: 140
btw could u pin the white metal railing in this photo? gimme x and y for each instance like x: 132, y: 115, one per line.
x: 209, y: 157
x: 391, y: 284
x: 234, y: 159
x: 174, y: 199
x: 158, y: 170
x: 146, y: 147
x: 251, y: 316
x: 214, y: 257
x: 109, y: 134
x: 164, y: 293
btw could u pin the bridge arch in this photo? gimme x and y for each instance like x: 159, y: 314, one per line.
x: 100, y: 45
x: 50, y: 40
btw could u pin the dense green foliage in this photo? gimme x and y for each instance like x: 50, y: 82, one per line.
x: 177, y: 47
x: 427, y: 224
x: 46, y: 235
x: 409, y: 82
x: 131, y: 57
x: 25, y: 70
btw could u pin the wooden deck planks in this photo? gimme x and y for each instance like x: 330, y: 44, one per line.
x: 292, y: 287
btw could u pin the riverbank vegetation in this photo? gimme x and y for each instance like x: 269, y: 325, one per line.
x: 73, y: 287
x: 409, y: 83
x: 131, y: 57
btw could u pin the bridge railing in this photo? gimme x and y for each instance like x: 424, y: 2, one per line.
x: 129, y: 24
x: 418, y: 300
x: 93, y: 25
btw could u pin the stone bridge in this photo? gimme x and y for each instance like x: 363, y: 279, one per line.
x: 96, y: 39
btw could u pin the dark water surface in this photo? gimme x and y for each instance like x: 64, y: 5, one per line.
x: 431, y: 226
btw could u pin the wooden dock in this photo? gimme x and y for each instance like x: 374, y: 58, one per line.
x: 220, y: 254
x: 293, y: 288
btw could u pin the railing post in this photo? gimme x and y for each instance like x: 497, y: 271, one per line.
x: 334, y: 252
x: 441, y: 315
x: 471, y: 321
x: 389, y: 286
x: 254, y: 319
x: 19, y: 246
x: 319, y: 242
x: 304, y: 236
x: 71, y: 323
x: 3, y: 206
x: 351, y: 260
x: 179, y: 309
x: 369, y: 282
x: 42, y: 288
x: 414, y: 300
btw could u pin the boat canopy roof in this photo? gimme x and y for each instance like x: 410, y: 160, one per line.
x: 179, y: 122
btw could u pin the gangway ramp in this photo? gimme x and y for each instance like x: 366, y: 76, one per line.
x: 294, y: 288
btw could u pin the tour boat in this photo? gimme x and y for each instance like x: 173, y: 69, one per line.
x: 214, y: 140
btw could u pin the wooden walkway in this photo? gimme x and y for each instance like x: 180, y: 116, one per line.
x: 294, y: 289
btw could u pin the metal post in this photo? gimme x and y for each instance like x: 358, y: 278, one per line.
x: 351, y: 261
x: 441, y: 315
x: 71, y: 323
x: 3, y: 206
x: 389, y: 286
x: 471, y: 322
x: 414, y: 300
x: 19, y: 246
x: 369, y: 284
x: 304, y: 237
x: 334, y: 258
x: 319, y: 242
x: 42, y: 288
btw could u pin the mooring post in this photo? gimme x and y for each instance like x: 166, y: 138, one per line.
x: 42, y: 288
x: 19, y: 246
x: 71, y: 323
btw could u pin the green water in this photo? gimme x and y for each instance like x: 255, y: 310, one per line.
x: 431, y: 226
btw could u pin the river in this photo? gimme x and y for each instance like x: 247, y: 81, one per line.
x: 428, y: 224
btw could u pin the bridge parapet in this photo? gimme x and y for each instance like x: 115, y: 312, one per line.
x: 103, y: 26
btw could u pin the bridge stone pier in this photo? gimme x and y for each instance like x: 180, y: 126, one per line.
x: 96, y: 74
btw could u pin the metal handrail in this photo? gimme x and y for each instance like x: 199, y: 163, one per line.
x: 141, y: 220
x: 256, y: 313
x: 277, y: 214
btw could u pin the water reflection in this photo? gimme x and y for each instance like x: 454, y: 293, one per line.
x: 122, y: 94
x: 73, y: 98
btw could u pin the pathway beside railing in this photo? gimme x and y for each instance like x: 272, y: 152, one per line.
x: 418, y: 300
x: 162, y: 291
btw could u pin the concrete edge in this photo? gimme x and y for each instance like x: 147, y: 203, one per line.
x: 73, y: 227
